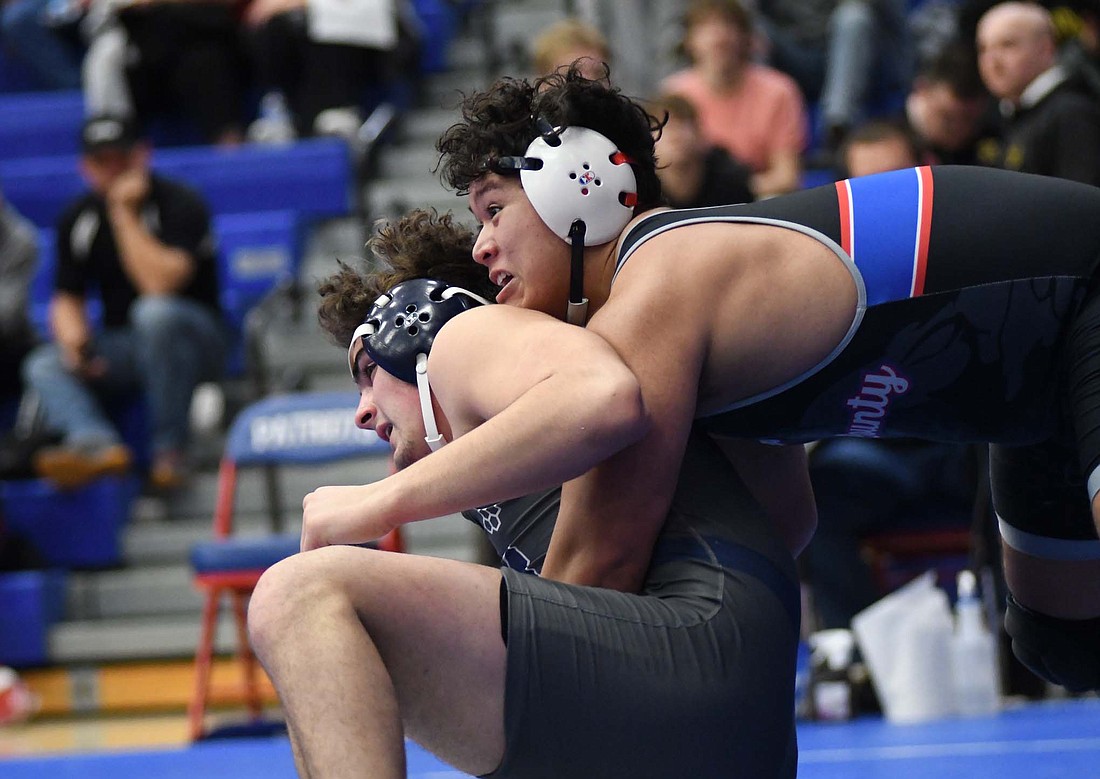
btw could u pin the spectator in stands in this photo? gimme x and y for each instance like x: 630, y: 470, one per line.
x: 1080, y: 52
x: 693, y: 172
x: 185, y: 60
x: 643, y: 36
x: 146, y: 243
x: 103, y: 73
x: 877, y: 146
x: 18, y: 258
x: 948, y: 107
x: 567, y: 41
x: 840, y: 52
x: 315, y: 61
x: 753, y: 111
x: 1050, y: 127
x: 42, y: 34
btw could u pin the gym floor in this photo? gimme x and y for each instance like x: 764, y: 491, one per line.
x: 1029, y: 741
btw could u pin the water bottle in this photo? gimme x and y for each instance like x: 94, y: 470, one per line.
x: 973, y: 654
x: 830, y: 687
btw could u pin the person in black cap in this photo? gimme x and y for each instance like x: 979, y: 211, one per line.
x: 146, y: 244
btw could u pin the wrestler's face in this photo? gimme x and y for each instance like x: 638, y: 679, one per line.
x: 391, y: 408
x: 525, y: 259
x: 1014, y: 46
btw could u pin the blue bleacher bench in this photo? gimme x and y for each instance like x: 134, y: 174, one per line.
x: 40, y: 124
x: 312, y: 177
x: 33, y: 602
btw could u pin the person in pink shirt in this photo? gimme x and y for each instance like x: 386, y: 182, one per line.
x: 755, y: 112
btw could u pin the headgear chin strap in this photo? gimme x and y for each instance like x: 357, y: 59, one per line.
x: 582, y: 187
x: 400, y: 329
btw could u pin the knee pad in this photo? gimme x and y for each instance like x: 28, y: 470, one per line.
x: 1062, y: 651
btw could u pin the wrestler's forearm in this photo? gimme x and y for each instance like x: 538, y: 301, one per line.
x: 541, y: 440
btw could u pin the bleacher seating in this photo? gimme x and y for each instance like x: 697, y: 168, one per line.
x: 40, y: 124
x: 312, y: 177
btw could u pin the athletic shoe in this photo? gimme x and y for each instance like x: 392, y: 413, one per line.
x: 70, y: 467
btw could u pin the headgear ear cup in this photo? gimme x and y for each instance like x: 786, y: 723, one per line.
x: 583, y: 177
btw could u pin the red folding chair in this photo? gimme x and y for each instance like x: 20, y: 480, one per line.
x: 305, y: 429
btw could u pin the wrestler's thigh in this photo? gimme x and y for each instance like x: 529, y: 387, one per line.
x: 436, y: 624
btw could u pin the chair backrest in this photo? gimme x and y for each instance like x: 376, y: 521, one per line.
x: 303, y: 428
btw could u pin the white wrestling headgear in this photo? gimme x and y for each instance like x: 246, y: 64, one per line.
x: 582, y: 187
x: 582, y: 176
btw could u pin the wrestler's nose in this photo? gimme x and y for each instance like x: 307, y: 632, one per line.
x: 365, y: 411
x: 485, y: 247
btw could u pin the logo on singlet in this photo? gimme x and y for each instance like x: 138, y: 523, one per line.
x: 490, y: 517
x: 871, y: 404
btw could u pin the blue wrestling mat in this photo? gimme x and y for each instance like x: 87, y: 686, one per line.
x: 1059, y: 739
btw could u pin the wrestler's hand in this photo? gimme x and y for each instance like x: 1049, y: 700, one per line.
x: 1062, y: 651
x: 344, y: 515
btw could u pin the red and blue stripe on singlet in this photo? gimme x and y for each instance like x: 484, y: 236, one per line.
x: 885, y: 222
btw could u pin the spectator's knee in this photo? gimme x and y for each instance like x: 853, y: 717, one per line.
x: 854, y: 16
x: 41, y: 365
x: 156, y: 316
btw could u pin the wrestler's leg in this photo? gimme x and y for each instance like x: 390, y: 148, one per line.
x: 1051, y: 552
x: 1052, y: 562
x: 1053, y: 566
x: 366, y: 646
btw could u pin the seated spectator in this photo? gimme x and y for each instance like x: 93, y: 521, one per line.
x: 1080, y: 49
x: 1050, y: 126
x: 754, y: 112
x: 948, y: 107
x: 315, y: 60
x: 879, y: 146
x: 146, y: 243
x: 643, y: 38
x: 694, y: 173
x: 42, y: 34
x: 103, y: 73
x: 841, y: 52
x: 567, y: 41
x: 185, y: 59
x: 18, y: 258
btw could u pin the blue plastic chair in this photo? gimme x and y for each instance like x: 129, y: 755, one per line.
x: 308, y: 429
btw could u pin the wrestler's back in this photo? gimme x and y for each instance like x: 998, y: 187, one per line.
x: 806, y: 295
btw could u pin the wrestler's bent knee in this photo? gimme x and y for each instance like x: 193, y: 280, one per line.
x: 282, y: 593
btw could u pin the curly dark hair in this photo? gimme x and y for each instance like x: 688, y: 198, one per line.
x: 421, y: 244
x: 502, y: 121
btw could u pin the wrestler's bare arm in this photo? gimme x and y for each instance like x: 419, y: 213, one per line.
x: 610, y: 517
x: 530, y: 402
